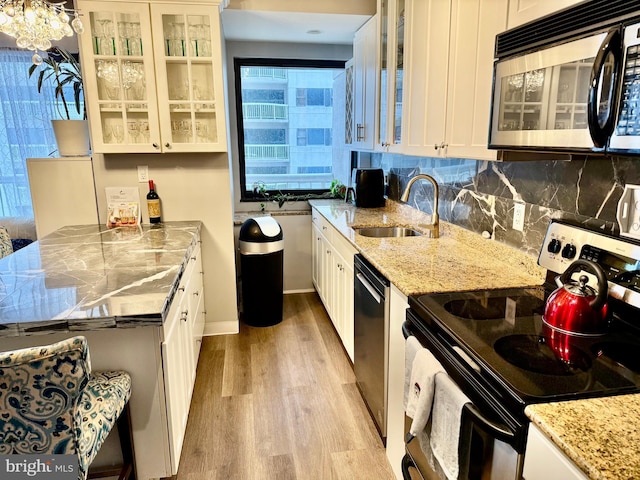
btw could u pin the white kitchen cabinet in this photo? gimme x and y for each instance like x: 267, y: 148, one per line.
x: 153, y: 77
x: 332, y: 272
x: 342, y: 290
x: 183, y: 331
x: 364, y: 85
x: 391, y: 38
x: 523, y: 11
x: 448, y: 75
x: 544, y: 460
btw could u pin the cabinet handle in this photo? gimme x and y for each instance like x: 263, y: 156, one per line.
x: 167, y: 145
x: 156, y: 146
x: 328, y: 252
x: 196, y: 293
x: 194, y: 258
x: 184, y: 316
x: 181, y: 289
x: 324, y: 227
x: 359, y: 132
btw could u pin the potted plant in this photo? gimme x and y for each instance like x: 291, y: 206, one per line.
x: 62, y: 69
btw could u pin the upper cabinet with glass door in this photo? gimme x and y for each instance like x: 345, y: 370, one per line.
x: 136, y: 105
x: 391, y: 61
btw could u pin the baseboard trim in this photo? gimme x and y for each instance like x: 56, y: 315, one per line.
x: 221, y: 328
x: 302, y: 290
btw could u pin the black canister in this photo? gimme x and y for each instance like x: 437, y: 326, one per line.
x: 369, y: 187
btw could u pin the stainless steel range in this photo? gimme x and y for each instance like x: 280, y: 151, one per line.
x: 496, y: 347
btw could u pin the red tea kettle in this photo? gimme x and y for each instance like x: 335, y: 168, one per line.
x: 575, y: 307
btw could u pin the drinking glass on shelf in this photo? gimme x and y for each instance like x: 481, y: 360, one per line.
x: 118, y: 133
x: 133, y: 128
x: 109, y: 74
x: 176, y: 40
x: 135, y: 39
x: 179, y: 90
x: 175, y: 130
x: 97, y: 36
x: 185, y: 130
x: 205, y: 40
x: 144, y: 130
x: 107, y: 40
x: 123, y: 36
x: 202, y: 132
x: 137, y: 89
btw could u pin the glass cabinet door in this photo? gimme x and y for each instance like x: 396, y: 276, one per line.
x: 120, y: 86
x: 399, y: 63
x: 189, y: 76
x: 541, y: 99
x: 391, y: 63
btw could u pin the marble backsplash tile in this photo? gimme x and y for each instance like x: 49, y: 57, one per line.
x: 480, y: 196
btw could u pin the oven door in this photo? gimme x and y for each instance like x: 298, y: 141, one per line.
x: 489, y: 440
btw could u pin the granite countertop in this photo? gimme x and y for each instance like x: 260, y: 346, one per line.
x: 457, y: 261
x: 598, y: 434
x: 89, y: 277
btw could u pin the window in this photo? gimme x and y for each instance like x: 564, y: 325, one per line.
x: 285, y: 121
x: 314, y: 97
x: 25, y: 129
x: 314, y: 136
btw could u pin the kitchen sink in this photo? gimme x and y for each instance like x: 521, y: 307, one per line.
x: 384, y: 232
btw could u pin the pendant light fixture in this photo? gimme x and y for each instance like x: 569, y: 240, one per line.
x: 35, y: 23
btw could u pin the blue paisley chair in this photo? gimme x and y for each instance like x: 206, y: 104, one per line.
x: 51, y: 403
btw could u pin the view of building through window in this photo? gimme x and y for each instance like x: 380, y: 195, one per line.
x: 286, y: 124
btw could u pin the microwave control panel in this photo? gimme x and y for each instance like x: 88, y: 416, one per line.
x: 629, y: 113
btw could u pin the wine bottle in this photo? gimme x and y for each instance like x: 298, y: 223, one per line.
x: 153, y: 204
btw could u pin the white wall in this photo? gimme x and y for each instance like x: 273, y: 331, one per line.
x: 191, y: 187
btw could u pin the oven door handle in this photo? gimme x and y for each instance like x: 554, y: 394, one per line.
x: 496, y: 430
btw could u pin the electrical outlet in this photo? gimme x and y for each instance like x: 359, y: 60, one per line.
x: 143, y: 173
x: 518, y: 216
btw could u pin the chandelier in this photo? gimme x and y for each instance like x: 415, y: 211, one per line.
x: 35, y: 23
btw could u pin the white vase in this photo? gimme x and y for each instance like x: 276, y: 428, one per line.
x: 72, y: 137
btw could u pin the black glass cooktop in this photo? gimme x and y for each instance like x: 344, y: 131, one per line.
x: 503, y: 332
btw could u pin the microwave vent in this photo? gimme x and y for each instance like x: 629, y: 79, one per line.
x: 579, y: 20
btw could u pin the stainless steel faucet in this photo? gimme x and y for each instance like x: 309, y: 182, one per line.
x: 435, y: 219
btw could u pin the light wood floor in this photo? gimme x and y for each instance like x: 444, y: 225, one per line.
x: 280, y: 403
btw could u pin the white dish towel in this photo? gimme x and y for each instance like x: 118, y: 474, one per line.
x: 411, y: 347
x: 445, y: 427
x: 421, y: 389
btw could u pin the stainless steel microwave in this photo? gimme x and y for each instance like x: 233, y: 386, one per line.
x: 577, y: 90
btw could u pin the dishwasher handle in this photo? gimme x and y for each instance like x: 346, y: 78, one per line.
x: 376, y: 296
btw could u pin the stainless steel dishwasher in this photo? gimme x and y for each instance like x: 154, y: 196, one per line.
x: 371, y: 333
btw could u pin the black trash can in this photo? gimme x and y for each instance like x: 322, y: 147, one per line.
x: 261, y: 263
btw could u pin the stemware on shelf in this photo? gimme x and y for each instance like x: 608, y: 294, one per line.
x: 118, y: 133
x: 107, y: 40
x: 133, y: 128
x: 109, y: 73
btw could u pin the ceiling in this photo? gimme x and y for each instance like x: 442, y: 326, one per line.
x: 291, y: 27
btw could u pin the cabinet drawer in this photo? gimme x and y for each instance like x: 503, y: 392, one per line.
x: 343, y: 247
x: 323, y: 225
